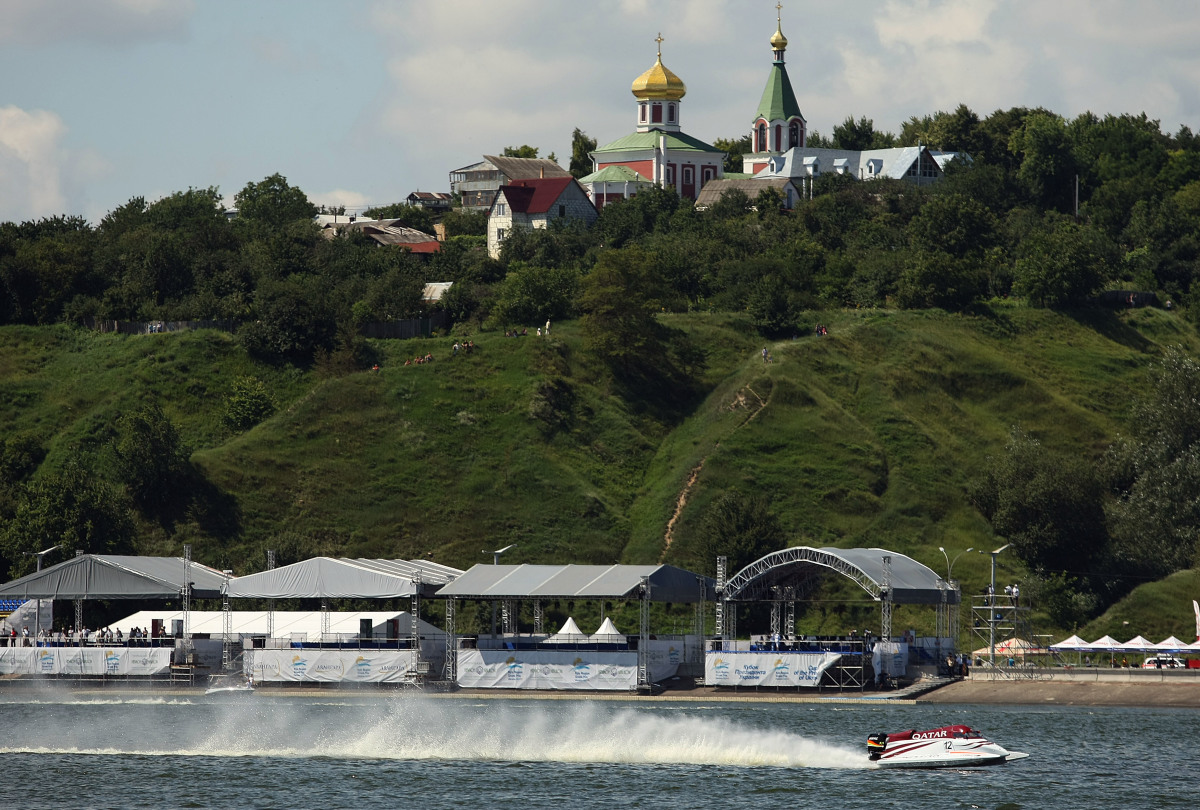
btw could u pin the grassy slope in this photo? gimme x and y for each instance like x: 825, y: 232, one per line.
x: 865, y: 437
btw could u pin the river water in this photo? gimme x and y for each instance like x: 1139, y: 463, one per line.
x: 399, y: 751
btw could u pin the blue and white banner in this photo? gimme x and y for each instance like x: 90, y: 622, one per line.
x: 766, y: 668
x: 84, y: 660
x: 332, y: 666
x: 550, y: 669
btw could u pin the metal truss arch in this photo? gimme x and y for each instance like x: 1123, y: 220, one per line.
x: 794, y: 568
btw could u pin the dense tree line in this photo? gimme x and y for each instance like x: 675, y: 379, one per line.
x: 1049, y: 209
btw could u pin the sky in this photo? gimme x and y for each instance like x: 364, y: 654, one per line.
x: 361, y: 103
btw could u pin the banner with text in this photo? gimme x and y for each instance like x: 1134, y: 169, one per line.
x: 355, y: 666
x: 766, y: 668
x: 84, y: 660
x: 546, y: 669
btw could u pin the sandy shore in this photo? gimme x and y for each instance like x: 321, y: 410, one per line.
x: 1178, y: 693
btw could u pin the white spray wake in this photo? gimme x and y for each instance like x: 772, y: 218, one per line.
x: 418, y: 729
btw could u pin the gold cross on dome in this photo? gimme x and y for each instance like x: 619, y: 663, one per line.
x: 659, y: 40
x: 779, y: 11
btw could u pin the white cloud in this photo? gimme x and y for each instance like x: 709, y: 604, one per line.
x: 41, y: 22
x: 30, y: 164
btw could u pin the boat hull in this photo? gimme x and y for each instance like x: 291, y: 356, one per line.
x: 945, y: 754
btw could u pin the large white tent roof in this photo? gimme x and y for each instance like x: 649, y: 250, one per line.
x: 343, y: 578
x: 667, y: 583
x: 298, y: 625
x: 108, y: 576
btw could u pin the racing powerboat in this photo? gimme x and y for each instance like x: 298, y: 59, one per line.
x: 945, y: 747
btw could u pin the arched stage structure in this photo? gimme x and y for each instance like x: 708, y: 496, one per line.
x: 785, y: 577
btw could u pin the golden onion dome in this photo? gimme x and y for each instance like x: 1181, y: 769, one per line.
x: 659, y: 83
x: 778, y: 40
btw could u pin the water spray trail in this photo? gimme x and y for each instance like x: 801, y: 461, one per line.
x: 454, y: 730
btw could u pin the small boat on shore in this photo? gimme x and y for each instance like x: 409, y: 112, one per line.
x: 945, y: 747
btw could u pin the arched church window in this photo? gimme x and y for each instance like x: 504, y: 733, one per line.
x: 778, y: 138
x: 793, y: 134
x: 642, y: 112
x: 762, y: 138
x: 670, y: 113
x: 656, y: 114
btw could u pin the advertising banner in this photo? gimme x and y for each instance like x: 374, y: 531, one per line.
x: 331, y: 666
x: 766, y: 668
x: 890, y: 658
x: 84, y: 661
x: 538, y: 669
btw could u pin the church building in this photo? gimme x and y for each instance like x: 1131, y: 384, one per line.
x: 658, y: 152
x: 778, y: 123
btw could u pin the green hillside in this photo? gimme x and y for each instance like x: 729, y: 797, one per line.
x: 868, y: 436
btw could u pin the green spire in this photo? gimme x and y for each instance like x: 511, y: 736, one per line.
x: 778, y: 100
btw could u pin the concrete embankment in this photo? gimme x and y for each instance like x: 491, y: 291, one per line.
x: 1077, y: 688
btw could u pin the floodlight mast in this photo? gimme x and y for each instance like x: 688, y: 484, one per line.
x: 992, y: 609
x: 496, y: 561
x: 37, y: 622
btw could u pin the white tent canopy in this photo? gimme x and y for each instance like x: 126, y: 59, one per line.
x: 1171, y: 644
x: 1138, y: 644
x: 568, y: 634
x: 297, y: 625
x: 342, y: 578
x: 1074, y: 643
x: 1105, y: 644
x: 608, y: 633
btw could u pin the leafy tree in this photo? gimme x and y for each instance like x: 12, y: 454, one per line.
x: 1049, y: 506
x: 620, y: 299
x: 954, y: 224
x: 293, y: 323
x: 1155, y: 517
x: 273, y: 203
x: 1062, y: 265
x: 398, y: 293
x: 1048, y: 166
x: 523, y: 151
x: 581, y: 148
x: 936, y: 279
x: 73, y: 507
x: 741, y: 528
x: 249, y: 402
x: 624, y: 221
x: 151, y: 459
x: 770, y: 307
x: 530, y: 294
x: 465, y: 223
x: 734, y: 149
x: 732, y: 204
x: 854, y: 135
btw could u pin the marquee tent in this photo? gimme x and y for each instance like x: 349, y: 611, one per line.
x: 608, y: 633
x: 1137, y: 644
x: 667, y: 583
x: 568, y: 634
x: 1171, y: 644
x: 1105, y: 644
x: 342, y: 578
x: 1072, y: 644
x: 105, y: 576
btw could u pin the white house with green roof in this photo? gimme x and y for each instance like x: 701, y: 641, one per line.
x: 658, y: 152
x: 778, y: 123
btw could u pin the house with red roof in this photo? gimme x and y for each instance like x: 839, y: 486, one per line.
x: 533, y: 204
